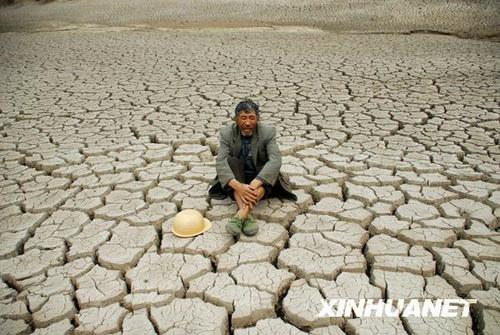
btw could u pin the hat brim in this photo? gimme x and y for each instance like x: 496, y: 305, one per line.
x: 207, y: 226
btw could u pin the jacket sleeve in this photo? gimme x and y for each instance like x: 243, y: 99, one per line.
x: 270, y: 171
x: 224, y: 172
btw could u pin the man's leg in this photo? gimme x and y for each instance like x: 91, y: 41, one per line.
x: 250, y: 227
x: 243, y: 209
x: 237, y: 167
x: 235, y: 224
x: 260, y: 194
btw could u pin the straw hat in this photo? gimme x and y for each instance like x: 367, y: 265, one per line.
x: 190, y: 222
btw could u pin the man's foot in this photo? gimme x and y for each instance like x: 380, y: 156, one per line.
x: 234, y: 226
x: 250, y: 226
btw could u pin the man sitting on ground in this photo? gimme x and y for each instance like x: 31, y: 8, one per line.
x: 248, y: 167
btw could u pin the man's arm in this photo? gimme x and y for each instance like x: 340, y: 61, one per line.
x: 270, y: 170
x: 256, y: 183
x: 224, y: 172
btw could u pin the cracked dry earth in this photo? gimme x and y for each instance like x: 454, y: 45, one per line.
x: 391, y: 143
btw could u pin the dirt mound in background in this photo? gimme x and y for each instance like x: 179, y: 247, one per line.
x: 19, y: 2
x: 459, y: 17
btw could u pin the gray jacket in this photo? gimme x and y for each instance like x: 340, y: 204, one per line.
x: 265, y: 154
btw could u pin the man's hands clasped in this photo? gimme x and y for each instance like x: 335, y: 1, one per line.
x: 248, y: 192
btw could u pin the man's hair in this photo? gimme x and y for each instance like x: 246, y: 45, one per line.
x: 246, y: 105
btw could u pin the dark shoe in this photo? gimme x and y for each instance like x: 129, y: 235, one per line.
x: 250, y: 227
x: 234, y: 226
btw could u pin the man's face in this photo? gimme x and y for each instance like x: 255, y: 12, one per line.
x: 247, y: 122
